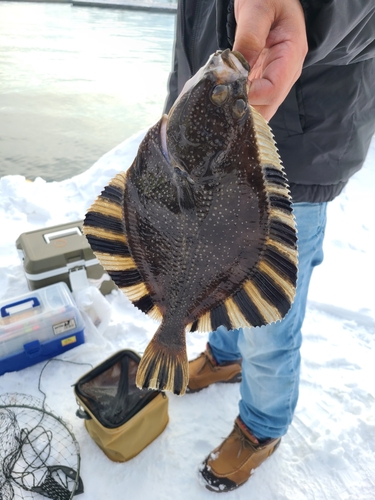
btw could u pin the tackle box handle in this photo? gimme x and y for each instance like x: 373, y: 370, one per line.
x: 5, y: 309
x: 48, y: 237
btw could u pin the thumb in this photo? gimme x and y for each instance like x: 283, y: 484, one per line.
x: 253, y: 27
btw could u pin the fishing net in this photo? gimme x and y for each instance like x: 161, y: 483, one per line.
x: 39, y: 455
x: 110, y: 391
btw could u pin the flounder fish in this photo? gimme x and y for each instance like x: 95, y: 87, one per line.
x: 199, y: 231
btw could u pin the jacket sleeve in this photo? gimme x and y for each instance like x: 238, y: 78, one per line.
x: 172, y: 85
x: 339, y: 32
x: 173, y: 89
x: 225, y: 24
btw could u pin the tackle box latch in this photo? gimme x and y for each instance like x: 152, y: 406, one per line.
x: 78, y: 278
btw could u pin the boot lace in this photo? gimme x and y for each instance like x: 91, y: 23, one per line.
x: 244, y: 441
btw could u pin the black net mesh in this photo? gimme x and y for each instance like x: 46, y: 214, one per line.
x: 110, y: 393
x: 39, y: 455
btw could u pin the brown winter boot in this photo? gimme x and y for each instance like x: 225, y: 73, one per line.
x: 232, y: 463
x: 205, y: 370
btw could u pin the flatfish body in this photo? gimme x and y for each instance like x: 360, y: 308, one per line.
x: 199, y: 231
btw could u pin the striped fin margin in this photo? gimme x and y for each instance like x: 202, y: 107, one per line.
x: 104, y: 229
x: 268, y: 294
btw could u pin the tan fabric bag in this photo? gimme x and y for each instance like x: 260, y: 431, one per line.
x: 120, y: 418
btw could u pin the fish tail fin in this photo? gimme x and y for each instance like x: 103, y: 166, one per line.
x: 163, y: 366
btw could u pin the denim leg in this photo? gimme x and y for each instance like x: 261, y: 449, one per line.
x: 223, y: 344
x: 270, y: 354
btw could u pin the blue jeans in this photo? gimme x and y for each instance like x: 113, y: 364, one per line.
x: 271, y: 354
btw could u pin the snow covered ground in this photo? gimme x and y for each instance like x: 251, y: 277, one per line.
x: 329, y: 451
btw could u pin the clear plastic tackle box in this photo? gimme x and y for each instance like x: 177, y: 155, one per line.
x: 37, y: 326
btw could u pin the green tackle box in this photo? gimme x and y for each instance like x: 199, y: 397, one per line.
x: 61, y: 253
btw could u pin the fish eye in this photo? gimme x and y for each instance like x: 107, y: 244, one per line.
x: 239, y: 108
x: 220, y: 94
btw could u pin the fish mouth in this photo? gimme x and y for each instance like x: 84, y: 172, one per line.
x: 231, y: 58
x: 228, y: 66
x: 225, y: 65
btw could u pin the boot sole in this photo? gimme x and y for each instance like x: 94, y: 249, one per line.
x: 231, y: 486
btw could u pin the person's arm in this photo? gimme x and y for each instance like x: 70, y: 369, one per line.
x: 271, y: 34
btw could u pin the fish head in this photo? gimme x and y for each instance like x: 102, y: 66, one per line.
x: 209, y: 116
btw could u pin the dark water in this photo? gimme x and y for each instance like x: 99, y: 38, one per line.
x: 75, y: 82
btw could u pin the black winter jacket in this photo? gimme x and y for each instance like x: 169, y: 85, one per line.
x: 324, y: 127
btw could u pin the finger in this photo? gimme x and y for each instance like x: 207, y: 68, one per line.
x: 274, y: 84
x: 265, y: 97
x: 270, y: 86
x: 253, y: 27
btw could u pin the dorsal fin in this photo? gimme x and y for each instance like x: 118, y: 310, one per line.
x: 104, y: 229
x: 269, y: 292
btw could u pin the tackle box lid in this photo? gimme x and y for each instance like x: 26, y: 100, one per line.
x: 55, y: 249
x: 41, y: 315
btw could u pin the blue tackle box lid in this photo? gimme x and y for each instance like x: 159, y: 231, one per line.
x: 38, y: 325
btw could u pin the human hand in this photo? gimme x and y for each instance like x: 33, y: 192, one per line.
x: 271, y: 35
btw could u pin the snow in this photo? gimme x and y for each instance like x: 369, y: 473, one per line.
x: 329, y: 451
